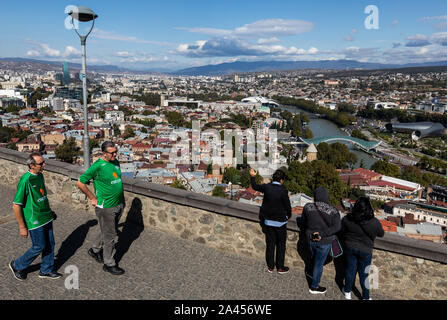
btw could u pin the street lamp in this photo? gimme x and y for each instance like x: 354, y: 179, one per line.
x: 231, y: 190
x: 84, y: 14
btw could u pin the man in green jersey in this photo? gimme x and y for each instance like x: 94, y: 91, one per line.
x: 108, y: 201
x: 35, y: 218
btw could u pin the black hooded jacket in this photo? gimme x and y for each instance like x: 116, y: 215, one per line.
x: 314, y: 213
x: 361, y: 235
x: 313, y: 222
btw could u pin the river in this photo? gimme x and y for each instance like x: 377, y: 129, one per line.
x: 324, y: 128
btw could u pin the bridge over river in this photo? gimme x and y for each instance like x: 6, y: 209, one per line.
x: 363, y: 144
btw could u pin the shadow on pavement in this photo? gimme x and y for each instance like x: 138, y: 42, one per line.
x: 72, y: 243
x: 132, y: 228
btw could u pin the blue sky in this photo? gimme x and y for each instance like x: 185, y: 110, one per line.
x: 174, y: 34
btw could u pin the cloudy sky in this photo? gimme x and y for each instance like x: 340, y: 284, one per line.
x: 174, y: 34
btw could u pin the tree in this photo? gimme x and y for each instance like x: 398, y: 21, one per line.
x: 336, y: 154
x: 358, y: 134
x: 308, y: 134
x: 175, y: 118
x: 178, y: 184
x: 306, y: 177
x: 296, y: 126
x: 67, y: 151
x: 116, y: 130
x: 386, y: 168
x: 232, y: 175
x: 246, y: 178
x: 346, y: 107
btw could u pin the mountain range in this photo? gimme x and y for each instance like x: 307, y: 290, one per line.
x: 236, y: 67
x: 223, y: 68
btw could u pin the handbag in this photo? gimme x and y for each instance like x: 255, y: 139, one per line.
x: 336, y: 249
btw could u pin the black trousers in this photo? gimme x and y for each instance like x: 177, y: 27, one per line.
x: 275, y: 238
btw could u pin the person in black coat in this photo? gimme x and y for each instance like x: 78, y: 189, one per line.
x: 274, y: 214
x: 321, y: 222
x: 359, y: 230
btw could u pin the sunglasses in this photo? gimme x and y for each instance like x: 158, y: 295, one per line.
x: 114, y: 152
x: 39, y: 164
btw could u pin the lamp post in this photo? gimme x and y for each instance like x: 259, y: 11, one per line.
x: 231, y: 190
x: 84, y: 14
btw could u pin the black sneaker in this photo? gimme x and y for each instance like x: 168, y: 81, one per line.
x: 50, y: 275
x: 97, y: 256
x: 115, y: 270
x: 283, y: 270
x: 19, y: 275
x: 318, y: 290
x: 270, y: 270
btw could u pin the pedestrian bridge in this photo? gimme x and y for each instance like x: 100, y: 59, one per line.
x: 363, y: 144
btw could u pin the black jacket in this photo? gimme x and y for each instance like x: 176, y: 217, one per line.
x: 276, y: 203
x: 356, y: 238
x: 313, y: 222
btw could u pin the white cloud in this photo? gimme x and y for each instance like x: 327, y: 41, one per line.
x: 110, y: 35
x: 122, y: 54
x: 259, y: 29
x: 428, y: 19
x: 439, y: 38
x: 233, y: 47
x: 43, y: 50
x: 268, y: 41
x: 71, y: 52
x: 350, y: 37
x: 418, y: 40
x: 33, y: 53
x: 441, y: 26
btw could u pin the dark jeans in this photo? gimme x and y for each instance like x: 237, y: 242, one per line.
x: 108, y: 221
x: 356, y: 262
x: 318, y: 253
x: 43, y: 242
x: 275, y: 237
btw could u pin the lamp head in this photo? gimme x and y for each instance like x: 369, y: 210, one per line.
x: 83, y: 14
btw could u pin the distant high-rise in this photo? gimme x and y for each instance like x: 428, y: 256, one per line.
x: 66, y: 78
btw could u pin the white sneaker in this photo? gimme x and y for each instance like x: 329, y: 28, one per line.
x: 346, y: 294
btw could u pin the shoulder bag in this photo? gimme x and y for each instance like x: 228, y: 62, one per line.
x: 336, y: 249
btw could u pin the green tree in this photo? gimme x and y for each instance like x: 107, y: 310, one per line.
x: 175, y: 118
x: 67, y: 151
x: 386, y: 168
x: 232, y: 175
x: 219, y: 191
x: 308, y: 134
x: 178, y: 184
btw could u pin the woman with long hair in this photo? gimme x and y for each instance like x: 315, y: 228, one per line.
x: 359, y: 230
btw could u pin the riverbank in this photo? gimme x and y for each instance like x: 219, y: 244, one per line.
x: 322, y: 127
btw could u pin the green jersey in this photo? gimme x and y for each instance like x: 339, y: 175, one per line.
x: 31, y: 195
x: 107, y: 182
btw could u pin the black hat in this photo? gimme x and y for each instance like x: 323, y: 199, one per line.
x: 321, y: 195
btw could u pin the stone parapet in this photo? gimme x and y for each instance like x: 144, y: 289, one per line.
x: 407, y: 268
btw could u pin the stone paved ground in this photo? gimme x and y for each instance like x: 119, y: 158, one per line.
x: 158, y: 266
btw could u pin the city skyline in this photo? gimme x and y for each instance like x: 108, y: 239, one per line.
x: 177, y: 34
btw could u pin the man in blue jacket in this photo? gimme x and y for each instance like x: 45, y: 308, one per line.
x: 274, y: 215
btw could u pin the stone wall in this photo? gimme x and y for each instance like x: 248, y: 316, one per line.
x: 408, y: 268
